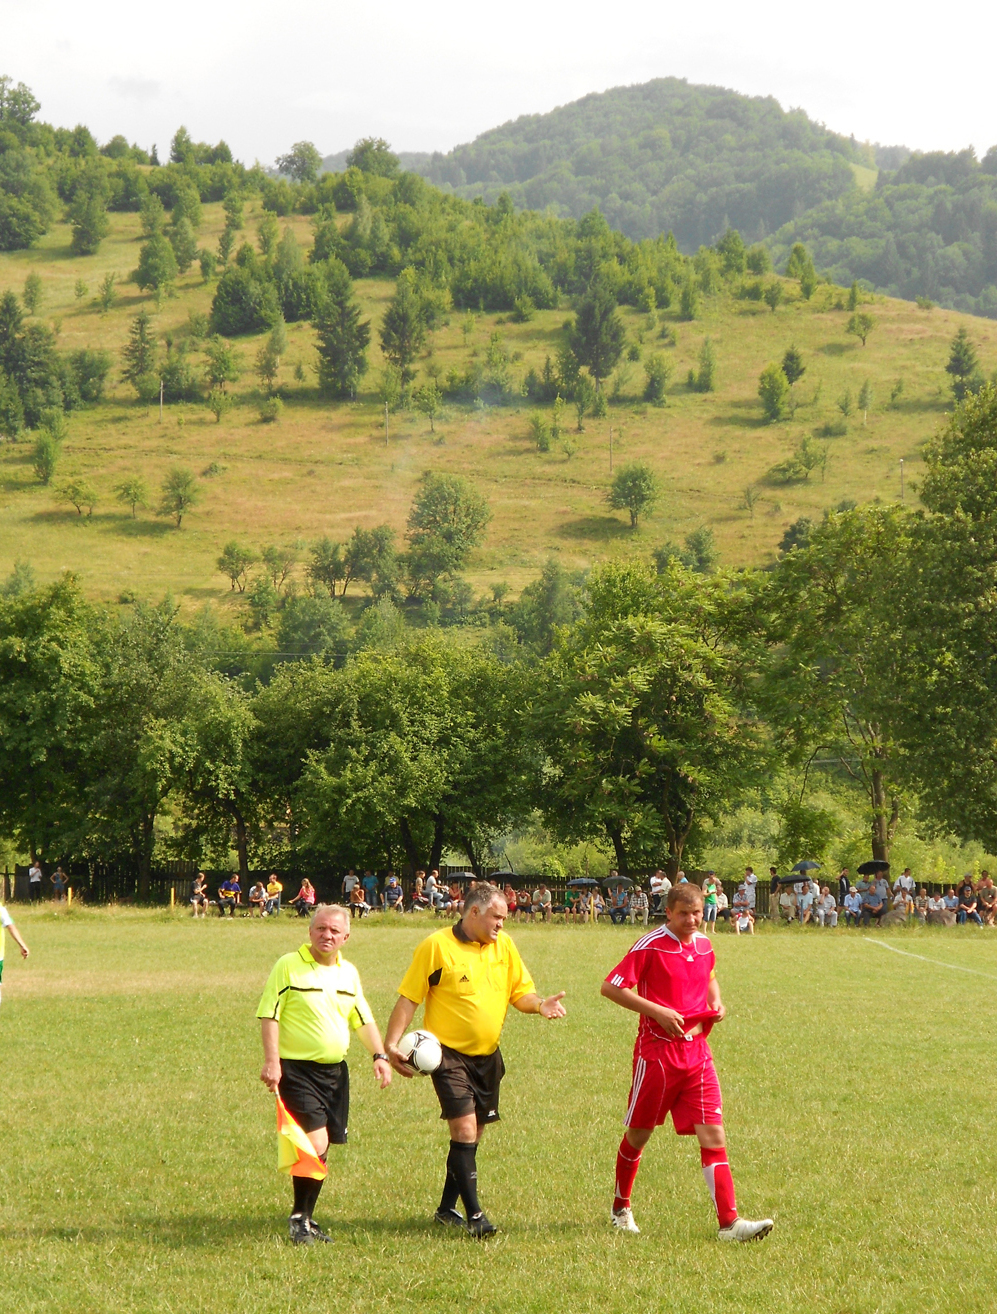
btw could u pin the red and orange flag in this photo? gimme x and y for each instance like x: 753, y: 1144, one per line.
x: 295, y: 1152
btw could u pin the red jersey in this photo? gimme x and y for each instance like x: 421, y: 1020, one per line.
x: 666, y: 971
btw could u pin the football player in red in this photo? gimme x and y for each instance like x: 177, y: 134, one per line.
x: 668, y: 977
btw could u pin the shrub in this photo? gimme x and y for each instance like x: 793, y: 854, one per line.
x: 270, y: 410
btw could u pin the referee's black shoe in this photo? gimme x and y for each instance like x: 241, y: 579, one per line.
x: 449, y: 1217
x: 478, y: 1225
x: 300, y: 1231
x: 316, y: 1231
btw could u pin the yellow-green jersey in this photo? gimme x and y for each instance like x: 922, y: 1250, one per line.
x: 467, y: 986
x: 315, y: 1006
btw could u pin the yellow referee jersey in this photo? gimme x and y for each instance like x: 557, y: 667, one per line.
x: 315, y: 1006
x: 467, y: 986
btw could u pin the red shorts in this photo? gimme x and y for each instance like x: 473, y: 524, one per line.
x: 688, y: 1090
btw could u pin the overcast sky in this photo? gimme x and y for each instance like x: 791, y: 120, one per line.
x: 428, y: 76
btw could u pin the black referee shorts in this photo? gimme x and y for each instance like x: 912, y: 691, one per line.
x: 317, y: 1095
x: 469, y: 1083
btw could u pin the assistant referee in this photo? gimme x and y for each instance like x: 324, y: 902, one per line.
x: 468, y: 976
x: 311, y: 1003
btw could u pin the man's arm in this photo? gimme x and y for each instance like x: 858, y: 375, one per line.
x: 270, y: 1035
x: 370, y: 1038
x: 550, y: 1008
x: 670, y: 1021
x: 17, y: 937
x: 398, y: 1023
x: 713, y: 999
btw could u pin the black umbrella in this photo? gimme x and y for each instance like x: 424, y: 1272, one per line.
x: 872, y: 866
x: 580, y: 882
x: 807, y: 865
x: 612, y: 881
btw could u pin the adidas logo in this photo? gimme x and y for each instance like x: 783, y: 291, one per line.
x: 463, y: 978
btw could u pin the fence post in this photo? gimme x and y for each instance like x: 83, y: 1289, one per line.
x: 69, y: 897
x: 173, y: 896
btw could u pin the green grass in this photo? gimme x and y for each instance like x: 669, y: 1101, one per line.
x: 326, y: 468
x: 138, y: 1166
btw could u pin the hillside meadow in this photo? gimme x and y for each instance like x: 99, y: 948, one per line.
x: 325, y: 467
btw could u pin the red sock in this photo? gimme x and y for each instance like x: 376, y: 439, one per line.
x: 627, y: 1163
x: 719, y: 1183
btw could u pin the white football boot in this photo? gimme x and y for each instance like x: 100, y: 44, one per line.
x: 743, y: 1229
x: 623, y: 1220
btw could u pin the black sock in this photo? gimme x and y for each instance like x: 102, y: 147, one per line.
x: 462, y: 1177
x: 306, y: 1193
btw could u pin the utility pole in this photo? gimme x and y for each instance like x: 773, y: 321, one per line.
x: 610, y: 449
x: 902, y: 498
x: 385, y: 424
x: 160, y: 401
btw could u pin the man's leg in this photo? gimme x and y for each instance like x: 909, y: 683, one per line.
x: 627, y: 1164
x: 308, y: 1189
x: 462, y: 1168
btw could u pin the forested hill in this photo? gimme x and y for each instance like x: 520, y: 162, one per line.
x: 662, y: 156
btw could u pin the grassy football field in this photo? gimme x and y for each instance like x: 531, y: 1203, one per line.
x: 138, y: 1165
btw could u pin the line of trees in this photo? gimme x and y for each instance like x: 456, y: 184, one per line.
x: 637, y: 710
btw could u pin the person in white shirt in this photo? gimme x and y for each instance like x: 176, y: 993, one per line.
x: 349, y: 880
x: 660, y: 885
x: 35, y: 881
x: 905, y: 882
x: 853, y: 906
x: 750, y: 881
x: 7, y: 924
x: 827, y: 908
x: 743, y: 916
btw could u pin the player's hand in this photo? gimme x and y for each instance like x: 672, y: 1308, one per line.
x: 270, y: 1076
x: 24, y: 951
x: 382, y: 1072
x: 398, y: 1062
x: 721, y: 1012
x: 552, y: 1007
x: 671, y: 1022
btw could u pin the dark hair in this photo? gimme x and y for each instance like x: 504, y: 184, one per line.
x: 687, y: 893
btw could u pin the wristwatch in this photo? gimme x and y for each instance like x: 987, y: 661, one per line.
x: 375, y: 1057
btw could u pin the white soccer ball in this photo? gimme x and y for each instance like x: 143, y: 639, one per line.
x: 421, y: 1050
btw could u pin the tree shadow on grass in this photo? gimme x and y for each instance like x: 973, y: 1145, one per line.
x: 837, y: 348
x: 754, y: 421
x: 602, y: 529
x: 130, y: 528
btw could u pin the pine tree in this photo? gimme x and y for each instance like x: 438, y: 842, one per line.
x: 964, y: 366
x: 403, y: 329
x: 139, y: 352
x: 184, y: 244
x: 792, y: 365
x: 598, y: 336
x: 343, y: 339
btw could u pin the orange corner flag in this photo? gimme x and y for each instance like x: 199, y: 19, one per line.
x: 295, y: 1152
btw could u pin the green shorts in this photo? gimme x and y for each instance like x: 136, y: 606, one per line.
x: 1, y: 969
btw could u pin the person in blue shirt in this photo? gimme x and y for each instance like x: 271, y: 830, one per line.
x: 369, y: 883
x: 393, y: 895
x: 229, y: 893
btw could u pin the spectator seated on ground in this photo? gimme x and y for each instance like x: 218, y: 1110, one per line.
x: 873, y: 906
x: 827, y: 907
x: 986, y: 900
x: 787, y: 904
x: 853, y: 906
x: 640, y: 906
x: 743, y: 915
x: 274, y: 891
x: 921, y: 904
x: 509, y: 895
x: 392, y: 896
x: 257, y: 899
x: 899, y: 909
x: 805, y: 898
x: 598, y: 905
x: 541, y: 903
x: 618, y: 905
x: 939, y: 912
x: 524, y: 905
x: 199, y: 895
x: 951, y: 900
x: 420, y: 900
x: 359, y: 907
x: 966, y: 909
x: 304, y: 900
x: 229, y: 895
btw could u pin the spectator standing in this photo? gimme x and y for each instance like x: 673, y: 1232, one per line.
x: 304, y: 900
x: 639, y: 905
x: 59, y: 884
x: 369, y: 884
x: 853, y: 906
x: 844, y: 886
x: 966, y: 909
x: 7, y: 924
x: 35, y: 881
x: 710, y: 884
x: 618, y: 905
x: 750, y: 883
x: 773, y: 893
x: 229, y: 894
x: 349, y: 881
x: 274, y: 890
x: 827, y: 908
x: 905, y: 881
x: 199, y: 895
x: 882, y: 888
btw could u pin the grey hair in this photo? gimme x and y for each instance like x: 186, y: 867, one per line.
x: 482, y: 895
x: 336, y: 908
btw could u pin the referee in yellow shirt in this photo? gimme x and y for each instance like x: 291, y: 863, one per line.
x: 468, y: 976
x: 311, y: 1004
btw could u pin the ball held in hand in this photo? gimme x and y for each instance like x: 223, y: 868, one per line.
x: 421, y: 1051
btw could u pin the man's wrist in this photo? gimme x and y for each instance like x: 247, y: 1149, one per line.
x: 375, y: 1057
